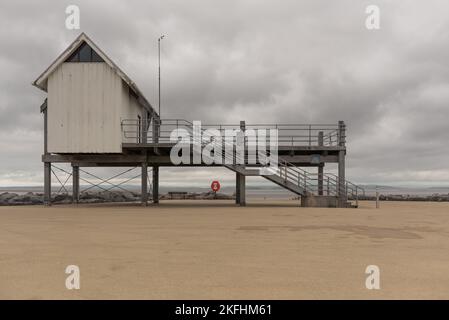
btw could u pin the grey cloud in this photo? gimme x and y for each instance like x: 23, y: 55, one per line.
x: 270, y: 61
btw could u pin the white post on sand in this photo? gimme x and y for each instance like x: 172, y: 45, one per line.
x: 377, y: 198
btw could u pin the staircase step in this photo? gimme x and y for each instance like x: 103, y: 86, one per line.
x: 286, y: 184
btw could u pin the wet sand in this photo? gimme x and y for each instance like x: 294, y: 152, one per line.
x: 215, y: 250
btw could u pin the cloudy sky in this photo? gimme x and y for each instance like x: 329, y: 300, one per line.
x: 260, y: 61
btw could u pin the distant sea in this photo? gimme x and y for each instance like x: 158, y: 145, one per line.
x: 251, y: 190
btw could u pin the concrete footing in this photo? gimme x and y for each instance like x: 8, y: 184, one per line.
x: 320, y: 201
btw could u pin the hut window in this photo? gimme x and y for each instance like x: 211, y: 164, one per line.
x: 96, y: 57
x: 84, y: 54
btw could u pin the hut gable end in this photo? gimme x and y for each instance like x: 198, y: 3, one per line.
x: 87, y: 98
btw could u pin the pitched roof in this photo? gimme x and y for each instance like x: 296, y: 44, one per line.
x: 41, y: 81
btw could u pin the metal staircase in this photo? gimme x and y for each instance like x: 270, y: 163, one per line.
x: 285, y: 175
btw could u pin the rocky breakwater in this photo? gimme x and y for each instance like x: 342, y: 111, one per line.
x: 35, y: 198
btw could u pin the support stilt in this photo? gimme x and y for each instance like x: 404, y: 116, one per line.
x: 320, y: 180
x: 342, y: 197
x: 237, y: 188
x: 155, y: 184
x: 240, y: 189
x: 144, y: 186
x: 75, y: 184
x: 47, y: 183
x: 320, y: 166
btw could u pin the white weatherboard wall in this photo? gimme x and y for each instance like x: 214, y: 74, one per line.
x: 86, y: 103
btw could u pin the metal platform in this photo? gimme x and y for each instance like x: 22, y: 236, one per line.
x: 148, y: 144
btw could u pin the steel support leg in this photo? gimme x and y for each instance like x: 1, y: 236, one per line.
x: 321, y: 166
x: 240, y: 189
x: 155, y: 184
x: 320, y: 179
x: 237, y: 188
x: 144, y: 182
x: 75, y: 184
x: 47, y: 183
x: 342, y: 197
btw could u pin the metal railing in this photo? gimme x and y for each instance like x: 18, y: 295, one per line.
x: 138, y: 131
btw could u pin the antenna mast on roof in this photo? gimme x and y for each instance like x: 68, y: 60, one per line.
x: 159, y: 60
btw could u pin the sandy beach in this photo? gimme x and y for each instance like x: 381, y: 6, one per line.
x: 215, y: 250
